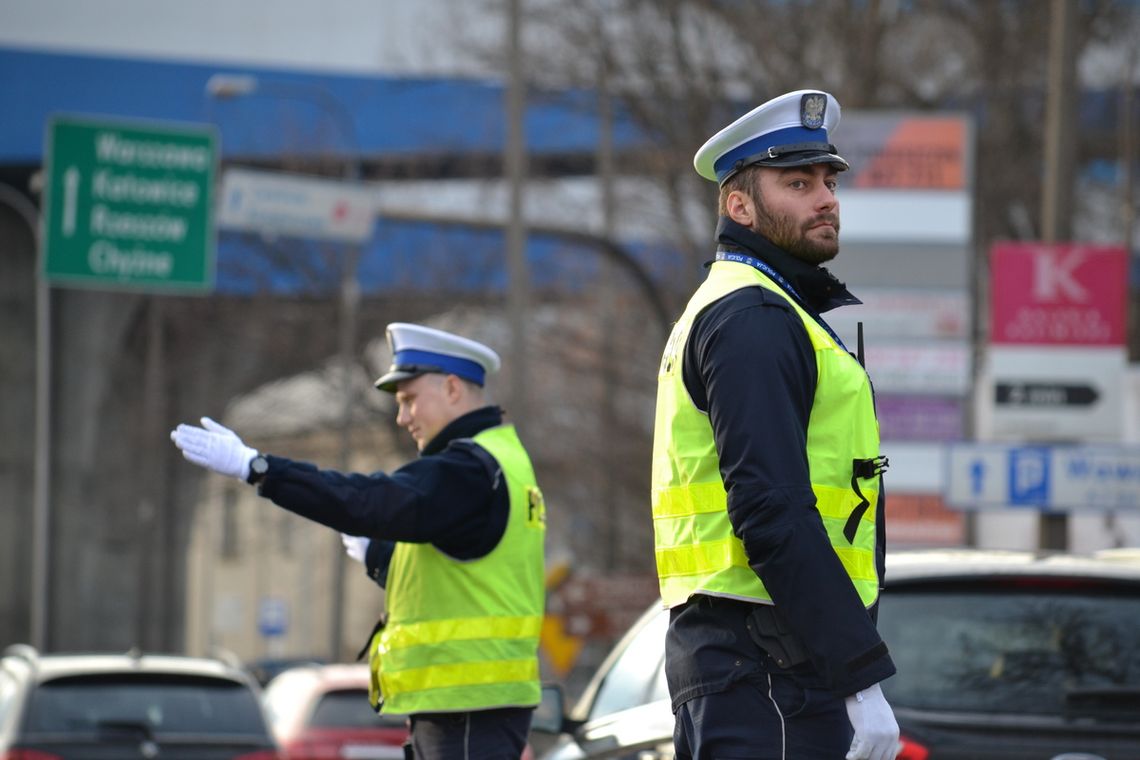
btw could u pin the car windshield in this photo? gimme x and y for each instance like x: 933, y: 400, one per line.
x: 161, y: 704
x: 349, y: 708
x: 637, y: 676
x: 1028, y: 648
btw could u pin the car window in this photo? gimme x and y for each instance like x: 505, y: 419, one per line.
x: 637, y: 676
x: 1029, y: 650
x: 161, y: 704
x: 349, y: 708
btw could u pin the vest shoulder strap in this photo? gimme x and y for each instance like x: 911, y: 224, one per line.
x: 490, y: 464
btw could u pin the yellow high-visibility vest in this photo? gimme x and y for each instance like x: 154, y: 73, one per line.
x: 463, y: 634
x: 695, y: 547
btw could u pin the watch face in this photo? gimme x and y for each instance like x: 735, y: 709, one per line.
x: 258, y: 466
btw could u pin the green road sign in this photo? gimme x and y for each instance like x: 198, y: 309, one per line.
x: 129, y: 204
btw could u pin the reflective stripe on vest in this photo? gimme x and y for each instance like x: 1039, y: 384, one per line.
x: 463, y: 635
x: 695, y: 546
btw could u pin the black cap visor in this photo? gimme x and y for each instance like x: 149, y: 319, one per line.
x: 793, y: 155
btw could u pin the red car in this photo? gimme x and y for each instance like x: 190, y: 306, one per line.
x: 321, y: 712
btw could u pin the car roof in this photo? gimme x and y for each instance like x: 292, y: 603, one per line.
x: 963, y: 563
x: 64, y: 665
x: 293, y: 693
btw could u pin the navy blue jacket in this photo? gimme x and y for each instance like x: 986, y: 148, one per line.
x: 450, y: 497
x: 750, y: 365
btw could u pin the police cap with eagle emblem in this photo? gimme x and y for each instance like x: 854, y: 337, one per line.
x: 793, y: 129
x: 418, y: 350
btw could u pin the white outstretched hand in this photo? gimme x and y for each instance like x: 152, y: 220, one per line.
x: 355, y: 546
x: 876, y: 730
x: 214, y: 447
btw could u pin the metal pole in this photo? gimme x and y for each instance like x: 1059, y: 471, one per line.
x: 1056, y: 201
x: 608, y: 293
x: 41, y: 482
x: 347, y: 328
x: 348, y: 321
x: 518, y: 294
x: 41, y: 499
x: 242, y: 85
x: 1128, y: 150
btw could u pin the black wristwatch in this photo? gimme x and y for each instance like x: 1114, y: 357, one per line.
x: 258, y: 466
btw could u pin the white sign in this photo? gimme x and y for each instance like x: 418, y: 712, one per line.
x: 931, y: 367
x: 296, y: 205
x: 919, y: 313
x: 1047, y: 478
x: 905, y: 216
x: 1052, y: 393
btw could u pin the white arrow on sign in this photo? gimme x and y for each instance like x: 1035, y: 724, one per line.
x: 70, y: 200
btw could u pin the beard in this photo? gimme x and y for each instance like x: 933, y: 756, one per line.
x: 787, y: 233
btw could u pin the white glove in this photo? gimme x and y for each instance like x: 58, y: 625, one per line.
x: 356, y: 546
x: 215, y: 447
x: 876, y: 731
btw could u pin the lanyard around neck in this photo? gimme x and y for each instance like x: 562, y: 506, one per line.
x: 763, y: 266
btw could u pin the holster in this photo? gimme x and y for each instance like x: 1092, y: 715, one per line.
x: 768, y: 630
x: 375, y: 630
x: 375, y: 695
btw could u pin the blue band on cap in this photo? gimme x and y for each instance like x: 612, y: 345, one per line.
x: 452, y: 365
x: 726, y: 164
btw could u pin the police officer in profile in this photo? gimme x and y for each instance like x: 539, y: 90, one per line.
x: 455, y: 536
x: 766, y: 485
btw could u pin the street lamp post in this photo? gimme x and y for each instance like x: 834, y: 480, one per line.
x: 230, y: 86
x: 39, y: 601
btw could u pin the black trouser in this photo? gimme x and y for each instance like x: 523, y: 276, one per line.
x: 479, y: 735
x: 767, y: 718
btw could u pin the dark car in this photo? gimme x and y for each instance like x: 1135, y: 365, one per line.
x: 1001, y: 656
x: 123, y: 706
x: 322, y: 711
x: 1010, y: 655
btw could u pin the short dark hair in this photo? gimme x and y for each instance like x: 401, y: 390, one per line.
x: 747, y: 181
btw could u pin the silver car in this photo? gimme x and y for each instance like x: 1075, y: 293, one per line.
x: 125, y: 706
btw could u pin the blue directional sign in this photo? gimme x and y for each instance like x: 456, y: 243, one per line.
x: 988, y: 476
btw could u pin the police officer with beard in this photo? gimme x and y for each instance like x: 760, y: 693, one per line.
x: 767, y: 475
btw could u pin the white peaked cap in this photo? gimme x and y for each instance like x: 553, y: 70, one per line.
x: 791, y: 130
x: 418, y: 350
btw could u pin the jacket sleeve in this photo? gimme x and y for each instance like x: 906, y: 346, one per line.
x: 750, y: 359
x: 377, y: 559
x: 446, y: 499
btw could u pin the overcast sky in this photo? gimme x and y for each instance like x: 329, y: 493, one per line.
x: 365, y: 36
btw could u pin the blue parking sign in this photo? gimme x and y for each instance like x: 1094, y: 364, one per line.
x: 1029, y: 477
x: 272, y: 616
